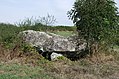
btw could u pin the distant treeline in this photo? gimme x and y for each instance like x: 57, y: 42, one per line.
x: 49, y: 28
x: 39, y: 27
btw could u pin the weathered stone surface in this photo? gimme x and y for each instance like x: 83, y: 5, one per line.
x: 48, y: 41
x: 54, y: 56
x: 80, y: 44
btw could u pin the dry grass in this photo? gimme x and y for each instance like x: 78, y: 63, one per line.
x: 15, y: 64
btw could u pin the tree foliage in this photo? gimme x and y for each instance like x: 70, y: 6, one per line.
x: 96, y: 20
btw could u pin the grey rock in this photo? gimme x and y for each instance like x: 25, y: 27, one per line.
x: 54, y: 56
x: 52, y: 45
x: 80, y: 44
x: 48, y: 41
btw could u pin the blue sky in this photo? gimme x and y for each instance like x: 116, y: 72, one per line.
x: 12, y: 11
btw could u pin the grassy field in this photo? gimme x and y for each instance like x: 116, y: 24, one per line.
x: 65, y: 33
x: 100, y: 66
x: 15, y: 70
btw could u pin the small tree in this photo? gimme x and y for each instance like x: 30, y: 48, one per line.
x: 48, y: 20
x: 96, y: 20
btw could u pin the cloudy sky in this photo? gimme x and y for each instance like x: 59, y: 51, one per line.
x: 12, y: 11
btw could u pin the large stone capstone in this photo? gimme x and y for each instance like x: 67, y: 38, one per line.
x: 48, y: 41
